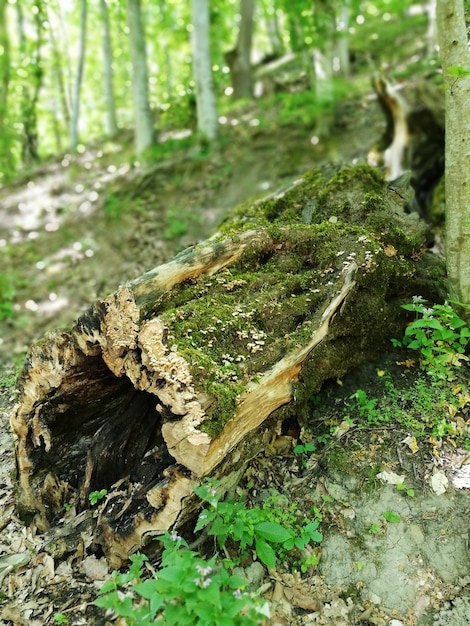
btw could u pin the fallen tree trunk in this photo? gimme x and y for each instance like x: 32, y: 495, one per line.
x: 173, y: 377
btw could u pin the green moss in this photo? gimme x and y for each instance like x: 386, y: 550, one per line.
x: 241, y: 321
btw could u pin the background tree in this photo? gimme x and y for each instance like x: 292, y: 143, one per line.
x: 32, y: 74
x: 335, y: 33
x: 111, y: 121
x: 239, y: 59
x: 455, y: 57
x: 7, y: 165
x: 207, y: 122
x: 144, y: 132
x: 78, y: 77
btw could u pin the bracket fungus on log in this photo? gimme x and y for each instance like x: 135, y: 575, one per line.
x: 179, y: 374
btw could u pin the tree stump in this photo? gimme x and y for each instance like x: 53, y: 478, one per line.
x: 185, y: 372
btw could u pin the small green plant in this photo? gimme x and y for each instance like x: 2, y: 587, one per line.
x: 187, y: 589
x: 67, y: 506
x: 408, y: 490
x: 367, y: 407
x: 439, y: 335
x: 269, y: 530
x: 95, y: 496
x: 60, y: 618
x: 374, y: 528
x: 304, y: 449
x: 391, y: 517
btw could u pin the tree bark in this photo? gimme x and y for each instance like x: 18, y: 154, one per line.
x: 5, y: 138
x: 239, y: 59
x: 455, y: 58
x: 32, y: 83
x: 144, y: 132
x: 111, y: 121
x: 74, y: 117
x: 413, y: 140
x: 189, y: 370
x: 207, y: 121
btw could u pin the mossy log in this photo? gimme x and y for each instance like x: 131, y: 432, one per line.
x: 185, y: 372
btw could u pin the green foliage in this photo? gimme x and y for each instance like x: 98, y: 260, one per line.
x: 7, y: 293
x: 366, y: 406
x: 408, y: 490
x: 60, y: 618
x: 303, y: 450
x: 8, y: 379
x: 187, y: 589
x: 424, y: 410
x: 439, y: 335
x: 391, y: 517
x: 95, y: 496
x: 269, y: 530
x: 374, y: 528
x: 177, y: 224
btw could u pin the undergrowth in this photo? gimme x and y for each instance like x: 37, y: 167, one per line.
x: 435, y: 404
x: 189, y: 588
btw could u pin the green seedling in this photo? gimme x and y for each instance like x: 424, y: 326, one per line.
x: 409, y: 492
x: 95, y: 496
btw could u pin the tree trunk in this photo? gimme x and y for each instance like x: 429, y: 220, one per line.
x: 239, y: 59
x: 74, y: 118
x: 5, y: 138
x: 144, y: 132
x: 189, y: 370
x: 207, y: 121
x: 32, y: 83
x: 342, y: 38
x: 111, y: 121
x: 58, y: 63
x: 455, y: 58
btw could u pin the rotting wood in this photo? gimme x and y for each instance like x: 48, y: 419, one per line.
x: 175, y: 376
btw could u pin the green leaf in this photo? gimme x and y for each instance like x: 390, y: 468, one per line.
x: 265, y: 553
x: 391, y: 517
x: 457, y: 71
x: 205, y: 517
x: 272, y: 531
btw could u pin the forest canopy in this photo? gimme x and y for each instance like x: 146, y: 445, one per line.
x: 69, y: 69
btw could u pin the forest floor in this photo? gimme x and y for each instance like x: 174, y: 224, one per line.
x: 83, y: 225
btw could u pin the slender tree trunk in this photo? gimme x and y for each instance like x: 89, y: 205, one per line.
x: 431, y: 34
x: 111, y: 121
x: 32, y: 84
x: 202, y: 66
x: 239, y: 59
x: 455, y: 58
x: 342, y: 34
x: 273, y: 30
x: 144, y: 132
x: 78, y: 78
x: 5, y: 155
x: 59, y: 72
x: 164, y: 44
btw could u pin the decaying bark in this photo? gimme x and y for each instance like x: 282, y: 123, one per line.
x: 182, y: 373
x: 414, y: 136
